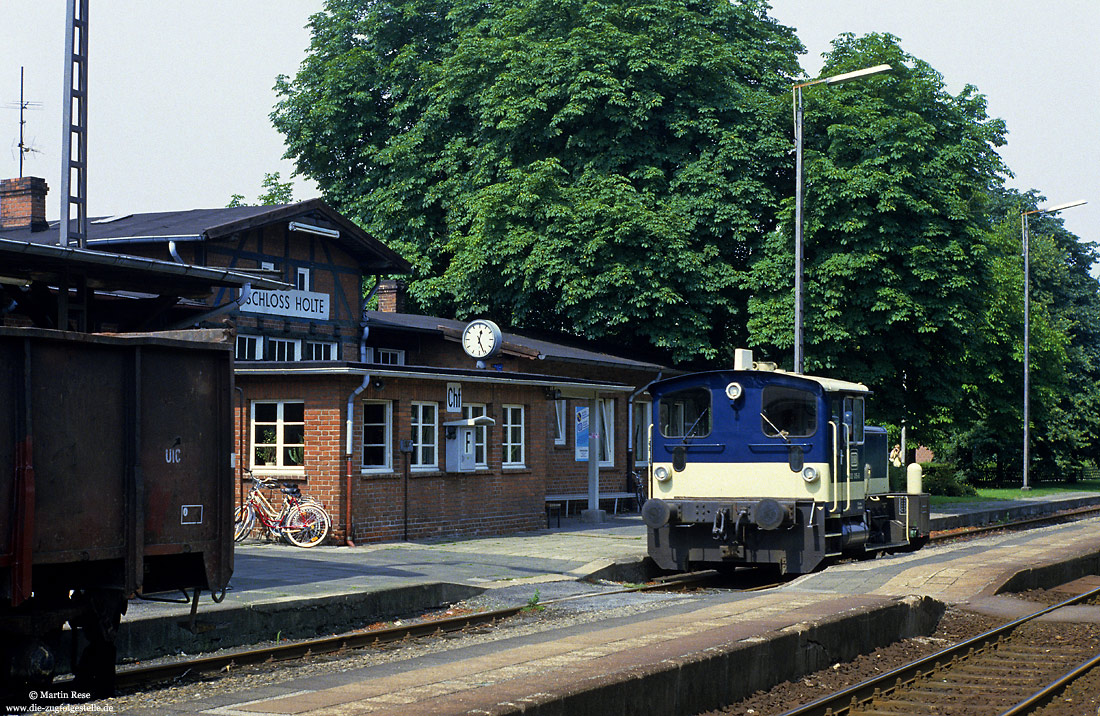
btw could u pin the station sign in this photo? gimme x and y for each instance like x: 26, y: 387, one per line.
x: 294, y: 304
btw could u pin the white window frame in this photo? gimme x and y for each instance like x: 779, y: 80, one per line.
x: 481, y: 433
x: 605, y: 408
x: 294, y: 346
x: 388, y: 356
x: 386, y: 445
x: 257, y: 346
x: 507, y: 437
x: 331, y: 347
x: 643, y: 419
x: 280, y: 445
x: 302, y: 279
x: 421, y: 430
x: 561, y: 412
x: 267, y: 265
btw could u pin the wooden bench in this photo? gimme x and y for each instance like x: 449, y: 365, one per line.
x: 583, y: 497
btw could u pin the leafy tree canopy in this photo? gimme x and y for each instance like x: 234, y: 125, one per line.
x: 898, y: 175
x: 600, y: 168
x: 1064, y: 351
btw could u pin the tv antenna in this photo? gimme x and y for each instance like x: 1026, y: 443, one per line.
x: 23, y: 147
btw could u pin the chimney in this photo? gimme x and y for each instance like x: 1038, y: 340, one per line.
x: 23, y: 204
x: 391, y: 296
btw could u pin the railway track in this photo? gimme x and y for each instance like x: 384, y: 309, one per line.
x: 1006, y: 671
x: 1076, y: 513
x: 131, y: 678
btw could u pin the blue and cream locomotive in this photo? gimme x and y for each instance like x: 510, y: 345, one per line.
x: 758, y: 466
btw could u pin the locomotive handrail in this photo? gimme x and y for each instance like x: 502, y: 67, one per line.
x: 695, y: 446
x: 780, y: 446
x: 836, y: 469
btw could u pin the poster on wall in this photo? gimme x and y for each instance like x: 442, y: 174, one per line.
x: 580, y: 435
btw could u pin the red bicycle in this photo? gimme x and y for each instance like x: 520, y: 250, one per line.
x: 302, y: 521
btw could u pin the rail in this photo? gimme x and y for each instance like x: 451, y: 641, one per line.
x: 859, y: 695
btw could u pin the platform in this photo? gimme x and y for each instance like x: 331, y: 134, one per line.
x: 606, y: 665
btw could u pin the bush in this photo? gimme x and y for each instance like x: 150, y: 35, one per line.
x: 943, y: 479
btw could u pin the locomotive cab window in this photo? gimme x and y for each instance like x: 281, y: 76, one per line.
x: 788, y: 412
x: 853, y: 418
x: 685, y: 413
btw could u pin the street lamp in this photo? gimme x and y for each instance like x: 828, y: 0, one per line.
x: 796, y: 91
x: 1027, y: 326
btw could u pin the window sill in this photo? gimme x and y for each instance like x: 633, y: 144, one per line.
x: 379, y: 472
x: 299, y: 474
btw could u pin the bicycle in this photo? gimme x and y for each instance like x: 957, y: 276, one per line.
x: 635, y: 484
x: 302, y: 521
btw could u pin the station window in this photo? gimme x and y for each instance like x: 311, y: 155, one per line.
x: 606, y: 426
x: 788, y: 412
x: 302, y: 280
x: 425, y: 429
x: 643, y: 416
x: 250, y: 347
x: 389, y: 356
x: 283, y: 349
x: 377, y: 436
x: 278, y: 436
x: 513, y: 436
x: 320, y: 350
x: 685, y: 413
x: 560, y: 411
x: 481, y: 434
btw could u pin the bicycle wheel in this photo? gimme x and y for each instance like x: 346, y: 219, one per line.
x: 306, y: 525
x: 244, y: 517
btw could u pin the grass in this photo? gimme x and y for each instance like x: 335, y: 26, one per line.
x: 1014, y: 493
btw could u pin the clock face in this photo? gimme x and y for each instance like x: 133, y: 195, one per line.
x: 481, y: 338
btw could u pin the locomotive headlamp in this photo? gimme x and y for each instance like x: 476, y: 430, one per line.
x: 662, y: 474
x: 733, y: 391
x: 809, y: 474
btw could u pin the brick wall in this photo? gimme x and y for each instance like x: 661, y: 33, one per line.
x: 486, y: 502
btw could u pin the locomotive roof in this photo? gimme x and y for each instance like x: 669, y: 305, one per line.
x: 829, y: 385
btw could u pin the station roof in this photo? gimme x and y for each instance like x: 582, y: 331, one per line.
x: 517, y: 344
x: 23, y: 262
x: 564, y: 387
x: 113, y: 233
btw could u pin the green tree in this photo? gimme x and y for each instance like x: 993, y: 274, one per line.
x: 898, y: 177
x: 275, y: 192
x: 1064, y: 347
x: 602, y: 168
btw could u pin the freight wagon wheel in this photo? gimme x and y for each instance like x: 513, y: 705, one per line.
x: 244, y: 517
x: 307, y: 525
x: 95, y: 670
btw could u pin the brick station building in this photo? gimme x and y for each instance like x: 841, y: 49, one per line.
x: 367, y: 409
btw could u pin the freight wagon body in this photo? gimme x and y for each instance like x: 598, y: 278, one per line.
x: 116, y: 476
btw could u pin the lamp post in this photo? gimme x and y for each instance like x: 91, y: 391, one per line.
x: 796, y: 92
x: 1027, y: 326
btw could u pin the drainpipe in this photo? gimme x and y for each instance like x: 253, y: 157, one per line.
x: 219, y: 310
x: 174, y: 252
x: 350, y: 425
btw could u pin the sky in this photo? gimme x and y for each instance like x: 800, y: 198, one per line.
x: 180, y: 93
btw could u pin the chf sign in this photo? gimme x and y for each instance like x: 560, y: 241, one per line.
x: 454, y: 397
